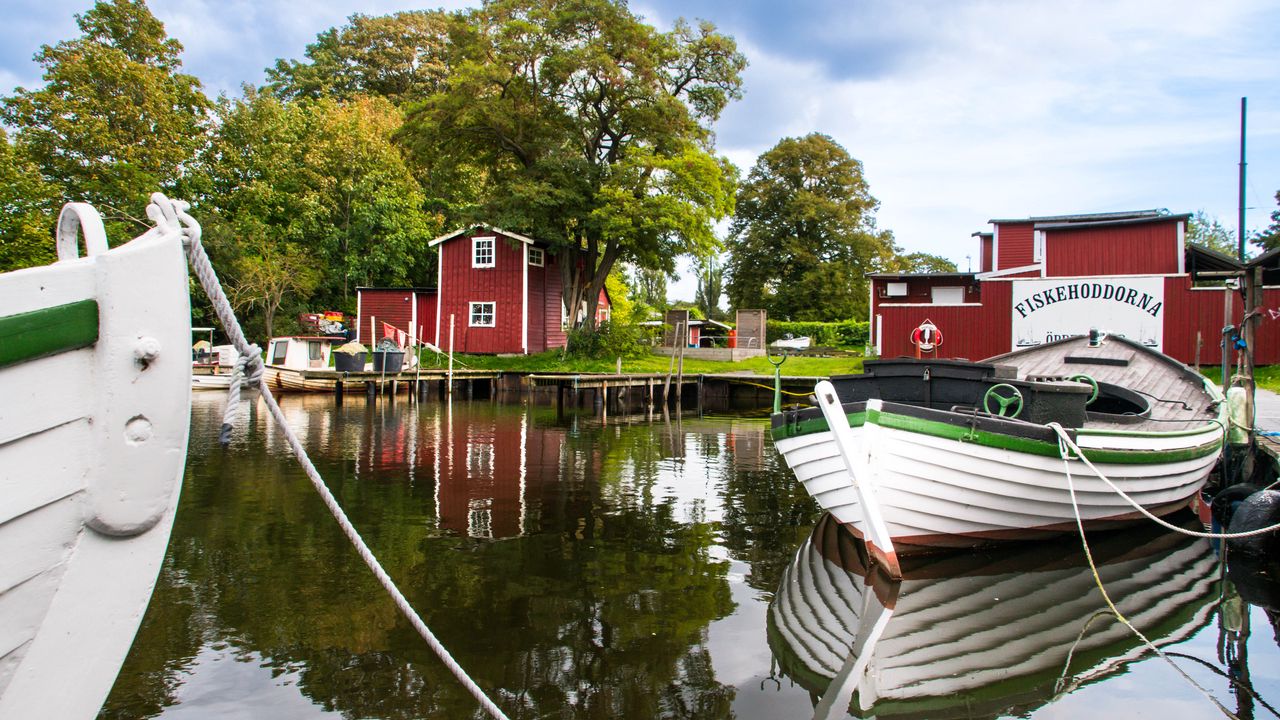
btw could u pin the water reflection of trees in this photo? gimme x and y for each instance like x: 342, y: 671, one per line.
x: 592, y: 600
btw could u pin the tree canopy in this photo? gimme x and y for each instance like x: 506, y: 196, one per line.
x: 308, y: 199
x: 1209, y: 232
x: 115, y: 120
x: 586, y: 128
x: 1270, y: 237
x: 804, y: 234
x: 400, y: 57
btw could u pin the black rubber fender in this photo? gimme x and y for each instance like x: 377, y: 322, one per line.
x: 1259, y: 510
x: 1257, y: 579
x: 1226, y: 500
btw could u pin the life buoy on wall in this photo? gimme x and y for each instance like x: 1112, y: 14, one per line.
x: 927, y: 337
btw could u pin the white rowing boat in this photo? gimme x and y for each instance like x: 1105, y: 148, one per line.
x: 95, y: 376
x: 917, y: 455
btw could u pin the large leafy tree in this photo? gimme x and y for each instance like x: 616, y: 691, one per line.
x: 1270, y: 237
x: 710, y: 272
x: 307, y: 199
x: 400, y: 57
x: 1211, y: 233
x: 587, y: 128
x: 115, y: 120
x: 804, y: 234
x: 27, y: 203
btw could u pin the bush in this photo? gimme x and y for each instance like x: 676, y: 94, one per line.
x: 849, y: 334
x: 609, y: 340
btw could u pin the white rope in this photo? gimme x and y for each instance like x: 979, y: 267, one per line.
x: 175, y: 210
x: 1066, y: 445
x: 1097, y: 579
x: 248, y: 369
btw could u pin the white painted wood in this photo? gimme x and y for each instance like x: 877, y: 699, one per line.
x: 92, y: 450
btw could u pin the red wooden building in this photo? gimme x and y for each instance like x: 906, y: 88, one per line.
x: 501, y: 289
x: 1040, y: 278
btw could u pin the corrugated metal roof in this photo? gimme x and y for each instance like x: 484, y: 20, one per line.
x: 1089, y: 217
x: 1081, y: 224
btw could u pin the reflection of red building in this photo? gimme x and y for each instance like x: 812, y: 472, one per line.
x: 1040, y: 278
x: 492, y: 472
x: 502, y: 290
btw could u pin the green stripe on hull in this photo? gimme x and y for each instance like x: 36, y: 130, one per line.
x: 48, y: 331
x: 997, y: 440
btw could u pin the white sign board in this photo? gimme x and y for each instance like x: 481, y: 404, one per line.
x: 1050, y: 309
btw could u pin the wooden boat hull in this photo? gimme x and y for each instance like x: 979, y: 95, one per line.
x: 941, y: 484
x: 990, y: 634
x: 93, y: 436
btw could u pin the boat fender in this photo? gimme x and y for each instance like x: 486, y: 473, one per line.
x: 1257, y: 579
x: 1259, y: 510
x: 1237, y: 416
x: 1225, y: 501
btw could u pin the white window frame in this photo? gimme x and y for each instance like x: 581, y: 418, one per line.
x: 493, y: 314
x: 477, y: 244
x: 537, y: 257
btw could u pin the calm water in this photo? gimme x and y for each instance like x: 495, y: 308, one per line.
x: 627, y: 570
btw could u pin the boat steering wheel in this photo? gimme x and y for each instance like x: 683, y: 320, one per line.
x: 1003, y: 400
x: 1087, y: 380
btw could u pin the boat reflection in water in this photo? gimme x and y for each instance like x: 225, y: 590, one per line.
x: 980, y: 635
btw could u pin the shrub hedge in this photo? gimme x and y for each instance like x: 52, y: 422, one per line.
x: 849, y: 334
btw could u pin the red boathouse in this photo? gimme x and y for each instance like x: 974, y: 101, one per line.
x: 1041, y: 278
x: 501, y: 289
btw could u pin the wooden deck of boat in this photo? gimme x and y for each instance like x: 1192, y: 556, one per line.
x: 1174, y: 391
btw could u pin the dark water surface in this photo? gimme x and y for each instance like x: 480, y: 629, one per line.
x: 629, y: 570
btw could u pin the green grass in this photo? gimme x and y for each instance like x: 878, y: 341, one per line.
x: 553, y: 362
x: 1267, y: 377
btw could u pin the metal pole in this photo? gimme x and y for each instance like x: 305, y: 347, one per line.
x: 1241, y: 231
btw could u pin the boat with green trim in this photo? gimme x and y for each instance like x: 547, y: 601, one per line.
x: 920, y: 455
x: 95, y: 373
x: 994, y: 633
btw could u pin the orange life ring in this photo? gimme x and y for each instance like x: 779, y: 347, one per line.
x: 927, y: 336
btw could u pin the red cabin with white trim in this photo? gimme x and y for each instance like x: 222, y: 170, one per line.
x: 502, y: 291
x: 1040, y: 278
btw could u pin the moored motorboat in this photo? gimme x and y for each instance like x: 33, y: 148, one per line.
x: 96, y: 380
x: 918, y: 455
x: 993, y: 633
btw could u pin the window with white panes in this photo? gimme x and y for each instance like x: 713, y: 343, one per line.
x: 482, y: 314
x: 482, y: 252
x: 536, y: 258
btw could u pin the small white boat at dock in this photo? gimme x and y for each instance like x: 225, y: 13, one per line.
x: 919, y: 455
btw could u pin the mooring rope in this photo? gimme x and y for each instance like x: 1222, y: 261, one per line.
x: 1063, y: 443
x: 173, y: 213
x: 1066, y: 446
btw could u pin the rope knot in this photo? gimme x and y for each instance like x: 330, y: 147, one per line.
x: 248, y: 371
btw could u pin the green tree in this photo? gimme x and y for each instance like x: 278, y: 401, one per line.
x: 27, y: 205
x: 1209, y: 232
x: 650, y: 287
x: 291, y: 186
x: 1270, y: 238
x: 399, y: 57
x: 115, y: 120
x: 710, y: 272
x: 919, y: 262
x: 586, y: 128
x: 804, y: 235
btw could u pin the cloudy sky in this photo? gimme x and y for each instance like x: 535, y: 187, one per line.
x: 960, y: 111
